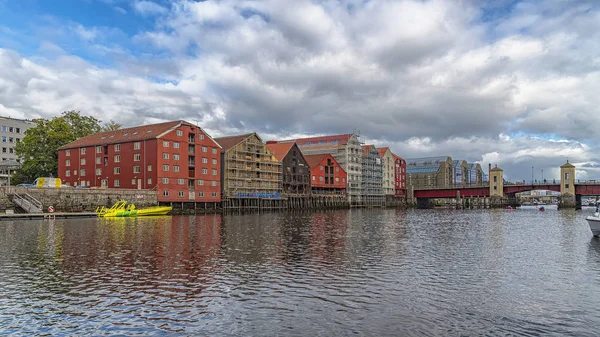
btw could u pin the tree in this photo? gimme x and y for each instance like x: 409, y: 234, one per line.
x: 38, y: 150
x: 111, y: 126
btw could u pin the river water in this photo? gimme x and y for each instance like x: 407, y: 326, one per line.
x: 335, y: 273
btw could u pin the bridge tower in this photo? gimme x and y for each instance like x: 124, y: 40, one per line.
x: 496, y: 182
x: 567, y: 179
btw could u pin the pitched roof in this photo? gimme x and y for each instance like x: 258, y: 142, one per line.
x: 397, y: 156
x: 366, y: 149
x: 231, y: 141
x: 133, y: 134
x: 426, y: 160
x: 382, y: 151
x: 323, y: 148
x: 566, y: 165
x: 343, y: 139
x: 280, y: 150
x: 314, y: 159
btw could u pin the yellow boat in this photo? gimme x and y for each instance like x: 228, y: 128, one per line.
x: 122, y: 209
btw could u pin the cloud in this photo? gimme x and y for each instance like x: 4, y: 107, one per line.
x: 513, y: 84
x: 148, y: 8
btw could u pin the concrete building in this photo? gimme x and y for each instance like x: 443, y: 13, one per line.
x: 388, y: 162
x: 347, y: 151
x: 372, y: 176
x: 12, y: 131
x: 177, y: 158
x: 429, y: 171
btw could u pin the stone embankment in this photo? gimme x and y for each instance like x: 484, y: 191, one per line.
x: 79, y: 200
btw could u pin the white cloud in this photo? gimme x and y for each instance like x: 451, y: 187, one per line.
x: 148, y: 8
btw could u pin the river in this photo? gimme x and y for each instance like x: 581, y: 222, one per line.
x: 335, y: 273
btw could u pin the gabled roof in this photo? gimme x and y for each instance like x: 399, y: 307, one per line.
x: 280, y: 150
x: 324, y: 148
x: 133, y: 134
x: 314, y: 159
x: 383, y: 150
x: 397, y: 156
x: 567, y: 165
x: 366, y: 149
x: 343, y: 139
x: 231, y: 141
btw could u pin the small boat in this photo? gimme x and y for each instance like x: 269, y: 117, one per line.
x: 541, y: 208
x: 122, y: 209
x: 594, y: 221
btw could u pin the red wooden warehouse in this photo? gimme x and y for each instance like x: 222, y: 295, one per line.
x: 177, y: 158
x: 327, y: 177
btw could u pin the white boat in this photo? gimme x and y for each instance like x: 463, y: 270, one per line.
x: 594, y: 221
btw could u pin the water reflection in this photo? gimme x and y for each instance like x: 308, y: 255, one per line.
x: 365, y: 272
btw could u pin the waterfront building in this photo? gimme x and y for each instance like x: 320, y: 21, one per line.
x: 295, y: 170
x: 12, y: 131
x: 250, y: 170
x: 347, y: 151
x: 178, y: 159
x: 327, y: 176
x: 429, y: 171
x: 475, y: 174
x: 460, y: 172
x: 372, y: 176
x: 399, y: 176
x: 388, y: 162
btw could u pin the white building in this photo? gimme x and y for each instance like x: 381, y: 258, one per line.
x: 12, y: 131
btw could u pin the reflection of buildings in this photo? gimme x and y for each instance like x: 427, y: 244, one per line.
x: 328, y: 235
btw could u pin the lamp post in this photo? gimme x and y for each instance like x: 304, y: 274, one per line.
x: 532, y: 175
x: 542, y: 175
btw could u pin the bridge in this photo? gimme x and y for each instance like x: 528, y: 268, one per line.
x: 571, y: 190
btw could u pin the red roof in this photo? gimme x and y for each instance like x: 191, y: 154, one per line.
x: 231, y: 141
x: 397, y: 156
x: 366, y: 149
x: 343, y: 139
x: 314, y: 159
x: 382, y: 151
x: 280, y: 150
x: 133, y: 134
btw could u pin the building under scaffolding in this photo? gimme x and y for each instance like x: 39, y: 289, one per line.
x: 251, y: 175
x: 372, y: 177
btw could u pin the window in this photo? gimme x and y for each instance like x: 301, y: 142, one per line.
x: 566, y: 186
x: 117, y: 183
x: 68, y: 153
x: 214, y: 150
x: 213, y: 183
x: 175, y: 156
x: 201, y: 136
x: 495, y: 179
x: 200, y: 194
x: 337, y: 179
x: 136, y: 146
x: 82, y: 173
x: 74, y: 172
x: 175, y: 145
x: 117, y: 147
x: 117, y: 158
x: 133, y: 181
x: 343, y: 180
x: 83, y: 150
x: 179, y: 133
x: 10, y: 129
x: 180, y: 181
x: 337, y: 169
x: 165, y: 193
x: 321, y: 178
x: 200, y: 182
x: 136, y: 169
x: 18, y: 130
x: 137, y: 157
x: 3, y: 128
x: 214, y: 161
x: 165, y: 180
x: 68, y: 173
x: 149, y: 181
x: 204, y: 171
x: 166, y: 168
x: 165, y: 155
x: 321, y: 167
x: 175, y: 168
x: 165, y: 143
x: 98, y: 149
x: 98, y: 171
x: 68, y: 162
x: 3, y: 139
x: 98, y: 160
x: 180, y: 194
x: 204, y: 160
x: 314, y: 178
x: 117, y: 170
x: 214, y: 194
x: 495, y: 188
x: 149, y: 168
x: 204, y: 149
x: 82, y: 161
x: 214, y: 172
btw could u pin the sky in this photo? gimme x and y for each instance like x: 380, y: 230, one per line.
x: 502, y: 82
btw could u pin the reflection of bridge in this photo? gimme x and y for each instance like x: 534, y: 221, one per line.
x: 498, y: 188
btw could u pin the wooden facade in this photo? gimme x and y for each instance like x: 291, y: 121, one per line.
x: 295, y: 170
x: 327, y: 176
x: 399, y: 176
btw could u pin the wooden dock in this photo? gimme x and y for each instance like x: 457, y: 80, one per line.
x: 41, y: 216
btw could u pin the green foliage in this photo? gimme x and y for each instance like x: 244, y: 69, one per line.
x: 38, y: 150
x: 111, y: 126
